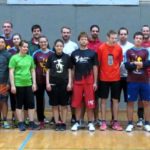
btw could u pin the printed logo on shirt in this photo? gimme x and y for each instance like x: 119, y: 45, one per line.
x: 59, y: 65
x: 90, y: 102
x: 81, y: 59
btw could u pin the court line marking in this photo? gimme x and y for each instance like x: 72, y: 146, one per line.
x: 26, y: 140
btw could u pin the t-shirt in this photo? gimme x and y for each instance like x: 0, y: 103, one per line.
x: 83, y: 61
x: 69, y: 47
x: 94, y: 44
x: 110, y: 58
x: 59, y: 65
x: 125, y: 47
x: 146, y: 44
x: 4, y: 71
x: 141, y: 55
x: 32, y: 47
x: 13, y: 50
x: 40, y: 58
x: 22, y: 66
x: 8, y: 41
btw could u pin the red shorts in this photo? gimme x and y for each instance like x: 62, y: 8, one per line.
x: 80, y: 90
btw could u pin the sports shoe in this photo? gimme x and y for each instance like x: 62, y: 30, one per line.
x: 129, y: 128
x: 21, y: 126
x: 42, y: 125
x: 33, y: 126
x: 6, y: 125
x: 52, y: 121
x: 147, y: 127
x: 57, y: 126
x: 75, y: 127
x: 140, y: 122
x: 46, y: 120
x: 103, y: 126
x: 116, y: 126
x: 91, y: 127
x: 97, y: 122
x: 73, y: 120
x: 62, y: 127
x: 26, y: 122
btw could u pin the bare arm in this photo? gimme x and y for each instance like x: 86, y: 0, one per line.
x: 95, y: 72
x: 12, y: 82
x: 48, y: 86
x: 34, y: 87
x: 69, y: 86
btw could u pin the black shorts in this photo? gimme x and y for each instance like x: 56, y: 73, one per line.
x: 24, y: 97
x: 105, y: 87
x: 59, y: 95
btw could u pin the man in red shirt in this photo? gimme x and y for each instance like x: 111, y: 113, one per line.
x: 94, y: 41
x: 93, y: 44
x: 110, y: 58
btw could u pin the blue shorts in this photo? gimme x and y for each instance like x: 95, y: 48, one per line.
x: 136, y: 90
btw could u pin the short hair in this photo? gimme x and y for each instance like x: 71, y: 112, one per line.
x: 1, y: 37
x: 65, y: 27
x: 138, y: 33
x: 111, y: 32
x: 58, y: 40
x: 43, y: 36
x: 23, y: 42
x: 82, y: 34
x: 9, y: 22
x: 123, y: 28
x: 17, y: 35
x: 145, y: 26
x: 94, y: 25
x: 36, y: 26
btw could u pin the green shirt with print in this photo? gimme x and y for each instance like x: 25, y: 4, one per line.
x: 22, y: 66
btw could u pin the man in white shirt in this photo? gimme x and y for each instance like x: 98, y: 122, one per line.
x: 69, y: 46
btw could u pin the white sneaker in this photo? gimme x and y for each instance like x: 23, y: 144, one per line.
x: 91, y: 127
x: 129, y: 128
x: 46, y: 120
x: 147, y: 128
x: 75, y: 127
x: 140, y: 122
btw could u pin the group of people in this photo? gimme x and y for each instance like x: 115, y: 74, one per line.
x: 76, y: 75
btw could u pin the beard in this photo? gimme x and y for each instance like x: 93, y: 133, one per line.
x: 94, y: 36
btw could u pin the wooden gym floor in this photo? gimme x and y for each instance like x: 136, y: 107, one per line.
x: 48, y: 139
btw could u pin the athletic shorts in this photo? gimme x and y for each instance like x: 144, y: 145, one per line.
x: 3, y: 92
x: 59, y: 95
x: 136, y: 90
x: 24, y: 97
x: 105, y: 87
x: 83, y: 89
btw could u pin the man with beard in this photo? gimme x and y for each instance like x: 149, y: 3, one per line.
x: 146, y: 44
x: 34, y: 43
x: 94, y: 40
x: 93, y: 44
x: 69, y: 46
